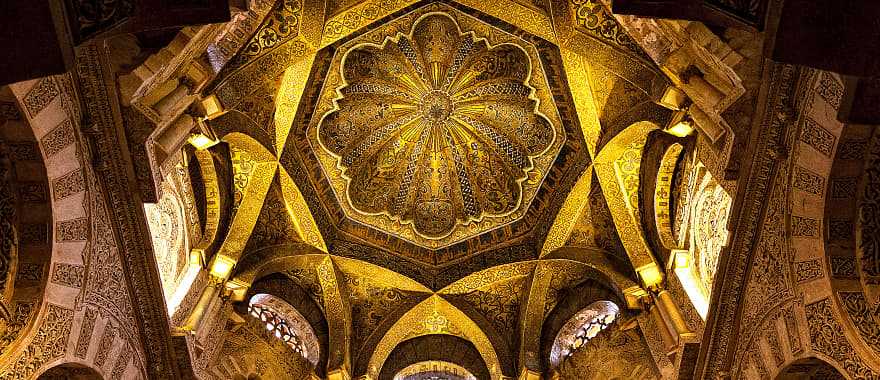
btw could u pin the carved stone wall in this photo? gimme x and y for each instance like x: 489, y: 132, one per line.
x: 803, y: 297
x: 85, y: 315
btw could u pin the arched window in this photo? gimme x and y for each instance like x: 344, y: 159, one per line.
x: 286, y: 324
x: 582, y: 327
x: 173, y: 223
x: 434, y: 370
x: 702, y: 225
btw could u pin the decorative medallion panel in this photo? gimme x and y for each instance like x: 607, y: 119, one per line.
x: 436, y: 128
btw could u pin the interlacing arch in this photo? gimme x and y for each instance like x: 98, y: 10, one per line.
x: 417, y: 310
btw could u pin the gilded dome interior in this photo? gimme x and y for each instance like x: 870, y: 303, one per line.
x: 439, y: 134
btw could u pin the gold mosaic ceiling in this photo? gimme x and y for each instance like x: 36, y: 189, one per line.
x: 436, y: 128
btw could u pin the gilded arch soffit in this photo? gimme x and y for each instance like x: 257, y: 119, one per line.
x: 379, y: 301
x: 617, y: 167
x: 434, y: 316
x: 267, y: 207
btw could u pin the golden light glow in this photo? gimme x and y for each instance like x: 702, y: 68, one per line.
x: 339, y: 374
x: 196, y: 256
x: 431, y: 316
x: 681, y: 258
x: 237, y: 289
x: 681, y: 129
x: 222, y: 266
x: 632, y: 296
x: 663, y: 195
x: 202, y: 142
x: 689, y: 281
x: 192, y: 271
x: 212, y: 106
x: 650, y: 275
x: 472, y: 173
x: 568, y: 216
x: 672, y: 98
x: 433, y: 367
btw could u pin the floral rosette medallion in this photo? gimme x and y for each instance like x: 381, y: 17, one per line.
x: 436, y: 134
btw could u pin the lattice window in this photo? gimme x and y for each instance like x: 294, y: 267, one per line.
x: 277, y: 325
x: 582, y: 327
x: 285, y: 323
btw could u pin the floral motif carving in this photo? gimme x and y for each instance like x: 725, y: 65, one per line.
x: 843, y: 267
x: 827, y: 337
x: 21, y: 313
x: 72, y: 230
x: 68, y: 274
x: 840, y: 230
x: 773, y: 342
x: 33, y: 234
x: 808, y: 181
x: 8, y: 241
x: 371, y: 303
x: 762, y: 186
x: 803, y: 226
x: 23, y: 151
x: 807, y: 270
x: 40, y: 96
x: 85, y: 333
x: 791, y: 328
x: 851, y: 150
x: 49, y: 343
x: 705, y: 222
x: 860, y: 315
x: 281, y: 25
x: 29, y: 272
x: 454, y: 142
x: 33, y: 192
x: 818, y: 137
x: 830, y: 89
x: 580, y: 329
x: 843, y: 188
x: 613, y: 354
x: 593, y: 18
x: 9, y: 111
x: 168, y: 231
x: 121, y: 363
x: 346, y: 22
x: 68, y: 184
x: 119, y: 221
x: 869, y: 212
x: 758, y: 363
x: 59, y: 138
x: 500, y: 304
x: 105, y: 344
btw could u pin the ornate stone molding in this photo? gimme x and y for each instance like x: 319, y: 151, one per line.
x: 102, y: 127
x: 749, y: 210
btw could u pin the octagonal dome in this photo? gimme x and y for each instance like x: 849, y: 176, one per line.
x: 436, y: 128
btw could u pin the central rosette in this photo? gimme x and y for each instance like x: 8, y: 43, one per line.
x: 436, y: 106
x: 437, y: 129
